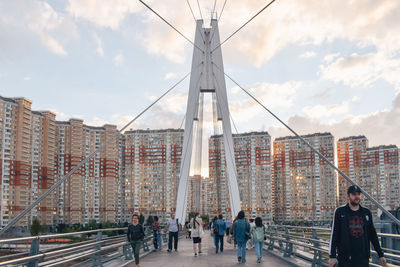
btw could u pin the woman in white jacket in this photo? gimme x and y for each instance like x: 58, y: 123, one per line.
x: 197, y: 232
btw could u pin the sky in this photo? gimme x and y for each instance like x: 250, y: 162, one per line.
x: 320, y: 65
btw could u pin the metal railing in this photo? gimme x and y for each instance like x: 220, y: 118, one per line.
x: 310, y: 245
x: 90, y: 249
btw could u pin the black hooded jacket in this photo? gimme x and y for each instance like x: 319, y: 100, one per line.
x: 340, y: 238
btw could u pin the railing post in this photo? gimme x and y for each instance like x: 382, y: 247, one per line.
x: 164, y: 237
x: 127, y: 250
x: 317, y: 253
x: 271, y: 242
x: 34, y: 251
x: 145, y: 245
x: 289, y: 246
x: 96, y: 258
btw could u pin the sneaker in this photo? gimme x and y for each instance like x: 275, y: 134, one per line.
x: 239, y: 259
x: 169, y: 250
x: 200, y: 252
x: 216, y: 251
x: 195, y: 254
x: 259, y: 260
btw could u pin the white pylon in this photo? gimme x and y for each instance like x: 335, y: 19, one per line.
x: 208, y: 78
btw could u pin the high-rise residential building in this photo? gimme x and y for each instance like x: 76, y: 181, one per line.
x: 304, y: 185
x: 91, y: 193
x: 374, y: 169
x: 27, y: 145
x: 43, y: 170
x: 194, y: 193
x: 253, y: 168
x: 152, y: 167
x: 205, y: 195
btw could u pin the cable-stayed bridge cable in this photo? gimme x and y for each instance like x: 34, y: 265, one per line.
x: 64, y: 178
x: 393, y: 218
x: 191, y: 10
x: 169, y: 24
x: 212, y: 36
x: 198, y: 5
x: 258, y: 13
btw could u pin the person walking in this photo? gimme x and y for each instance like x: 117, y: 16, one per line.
x: 173, y: 229
x: 197, y: 232
x: 250, y: 245
x: 156, y: 234
x: 352, y: 232
x: 228, y: 226
x: 186, y: 230
x: 258, y: 237
x: 219, y: 228
x: 241, y: 233
x: 135, y: 237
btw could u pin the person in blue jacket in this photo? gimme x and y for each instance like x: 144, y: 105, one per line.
x: 219, y: 228
x: 241, y: 233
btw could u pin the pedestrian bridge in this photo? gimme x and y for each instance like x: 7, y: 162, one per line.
x: 285, y: 246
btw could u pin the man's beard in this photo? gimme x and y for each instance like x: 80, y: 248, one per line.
x: 355, y: 202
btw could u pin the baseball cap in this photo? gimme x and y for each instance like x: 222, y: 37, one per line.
x: 353, y: 188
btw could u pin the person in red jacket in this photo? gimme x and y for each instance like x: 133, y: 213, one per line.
x: 352, y: 232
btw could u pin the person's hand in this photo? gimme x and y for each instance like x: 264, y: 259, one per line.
x: 383, y: 261
x: 332, y: 262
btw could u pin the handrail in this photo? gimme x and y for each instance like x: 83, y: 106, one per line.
x: 13, y: 240
x: 283, y: 235
x: 74, y: 251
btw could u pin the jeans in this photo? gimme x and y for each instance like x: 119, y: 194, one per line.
x: 259, y: 247
x: 219, y: 242
x: 136, y: 249
x: 175, y: 236
x: 157, y: 240
x: 241, y: 250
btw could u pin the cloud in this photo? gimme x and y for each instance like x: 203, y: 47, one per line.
x: 381, y: 127
x: 99, y: 49
x: 362, y: 70
x: 272, y: 95
x: 324, y: 94
x: 43, y: 20
x: 169, y: 75
x: 103, y: 13
x: 308, y: 54
x: 118, y: 59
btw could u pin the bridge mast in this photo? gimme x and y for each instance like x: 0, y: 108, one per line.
x: 208, y: 78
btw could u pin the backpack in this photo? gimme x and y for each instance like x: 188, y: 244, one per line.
x: 215, y: 230
x: 258, y: 234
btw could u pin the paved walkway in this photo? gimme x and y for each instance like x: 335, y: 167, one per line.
x: 185, y: 256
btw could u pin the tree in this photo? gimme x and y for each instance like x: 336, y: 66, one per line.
x: 205, y: 218
x: 35, y: 227
x: 149, y: 220
x: 93, y: 225
x: 141, y: 219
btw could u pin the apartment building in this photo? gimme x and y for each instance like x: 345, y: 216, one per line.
x: 375, y: 169
x: 91, y: 193
x: 152, y: 167
x: 254, y: 174
x: 304, y: 185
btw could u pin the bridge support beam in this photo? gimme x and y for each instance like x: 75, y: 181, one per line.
x: 207, y: 77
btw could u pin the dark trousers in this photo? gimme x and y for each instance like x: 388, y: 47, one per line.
x: 175, y: 236
x: 136, y: 249
x: 354, y: 263
x: 219, y: 242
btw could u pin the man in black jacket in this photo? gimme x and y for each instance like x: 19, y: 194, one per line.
x: 352, y: 233
x: 135, y: 237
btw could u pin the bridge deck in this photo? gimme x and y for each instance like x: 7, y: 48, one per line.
x: 185, y: 256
